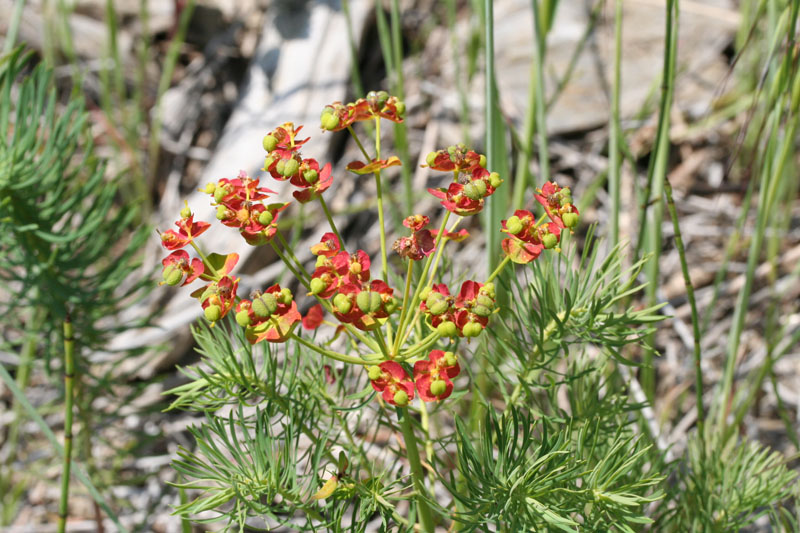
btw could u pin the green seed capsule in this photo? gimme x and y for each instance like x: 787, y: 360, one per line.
x: 210, y: 188
x: 391, y: 305
x: 222, y: 212
x: 186, y: 212
x: 317, y: 286
x: 269, y: 143
x: 450, y: 358
x: 265, y: 218
x: 431, y: 158
x: 480, y: 185
x: 401, y: 398
x: 342, y: 303
x: 212, y: 313
x: 482, y: 310
x: 495, y: 180
x: 265, y: 305
x: 484, y: 300
x: 447, y: 329
x: 243, y: 318
x: 513, y: 225
x: 472, y: 192
x: 330, y: 121
x: 363, y: 301
x: 290, y: 167
x: 375, y: 302
x: 438, y: 308
x: 570, y: 219
x: 279, y: 166
x: 438, y: 387
x: 320, y: 261
x: 374, y: 372
x: 401, y: 108
x: 482, y: 161
x: 472, y: 329
x: 549, y: 241
x: 172, y: 275
x: 311, y: 176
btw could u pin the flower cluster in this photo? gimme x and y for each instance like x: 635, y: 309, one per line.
x: 377, y: 104
x: 432, y: 379
x: 400, y: 363
x: 466, y: 315
x: 472, y: 183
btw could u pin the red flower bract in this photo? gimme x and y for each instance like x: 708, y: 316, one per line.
x: 391, y: 378
x: 433, y: 377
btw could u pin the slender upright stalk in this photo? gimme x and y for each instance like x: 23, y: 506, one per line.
x: 69, y: 379
x: 400, y: 129
x: 657, y: 173
x: 614, y: 131
x: 381, y: 222
x: 417, y: 475
x: 698, y: 369
x: 541, y: 124
x: 13, y: 27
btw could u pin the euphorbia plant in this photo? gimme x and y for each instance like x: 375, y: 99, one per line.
x: 404, y: 337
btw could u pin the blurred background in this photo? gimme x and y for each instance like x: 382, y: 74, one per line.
x: 177, y: 94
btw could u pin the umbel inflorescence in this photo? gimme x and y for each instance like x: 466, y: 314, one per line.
x: 383, y: 321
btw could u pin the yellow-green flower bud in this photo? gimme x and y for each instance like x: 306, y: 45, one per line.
x: 264, y: 305
x: 186, y: 212
x: 450, y: 358
x: 363, y: 301
x: 311, y: 176
x: 447, y: 329
x: 210, y: 188
x: 495, y: 180
x: 431, y: 158
x: 549, y: 241
x: 438, y: 308
x: 220, y: 193
x: 570, y: 220
x: 342, y: 303
x: 320, y: 261
x: 317, y: 286
x: 269, y: 143
x: 285, y: 296
x: 212, y: 313
x: 265, y: 218
x: 438, y: 387
x: 330, y: 121
x: 513, y: 225
x: 425, y: 293
x: 290, y: 167
x: 374, y: 372
x: 401, y: 398
x: 172, y: 275
x: 243, y: 318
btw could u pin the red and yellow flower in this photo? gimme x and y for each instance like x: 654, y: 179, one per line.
x: 433, y: 377
x: 393, y: 382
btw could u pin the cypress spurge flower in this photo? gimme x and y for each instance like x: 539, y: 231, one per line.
x: 177, y: 265
x: 188, y: 230
x: 433, y: 377
x: 557, y: 202
x: 393, y: 382
x: 420, y: 244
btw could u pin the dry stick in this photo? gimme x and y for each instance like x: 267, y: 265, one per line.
x: 69, y: 378
x: 698, y: 370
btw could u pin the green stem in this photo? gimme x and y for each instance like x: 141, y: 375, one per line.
x: 614, y: 130
x: 499, y: 269
x: 358, y: 142
x: 417, y: 475
x: 69, y: 378
x: 329, y: 353
x: 330, y: 219
x: 384, y: 257
x: 13, y: 27
x: 698, y: 370
x: 541, y: 124
x: 205, y: 260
